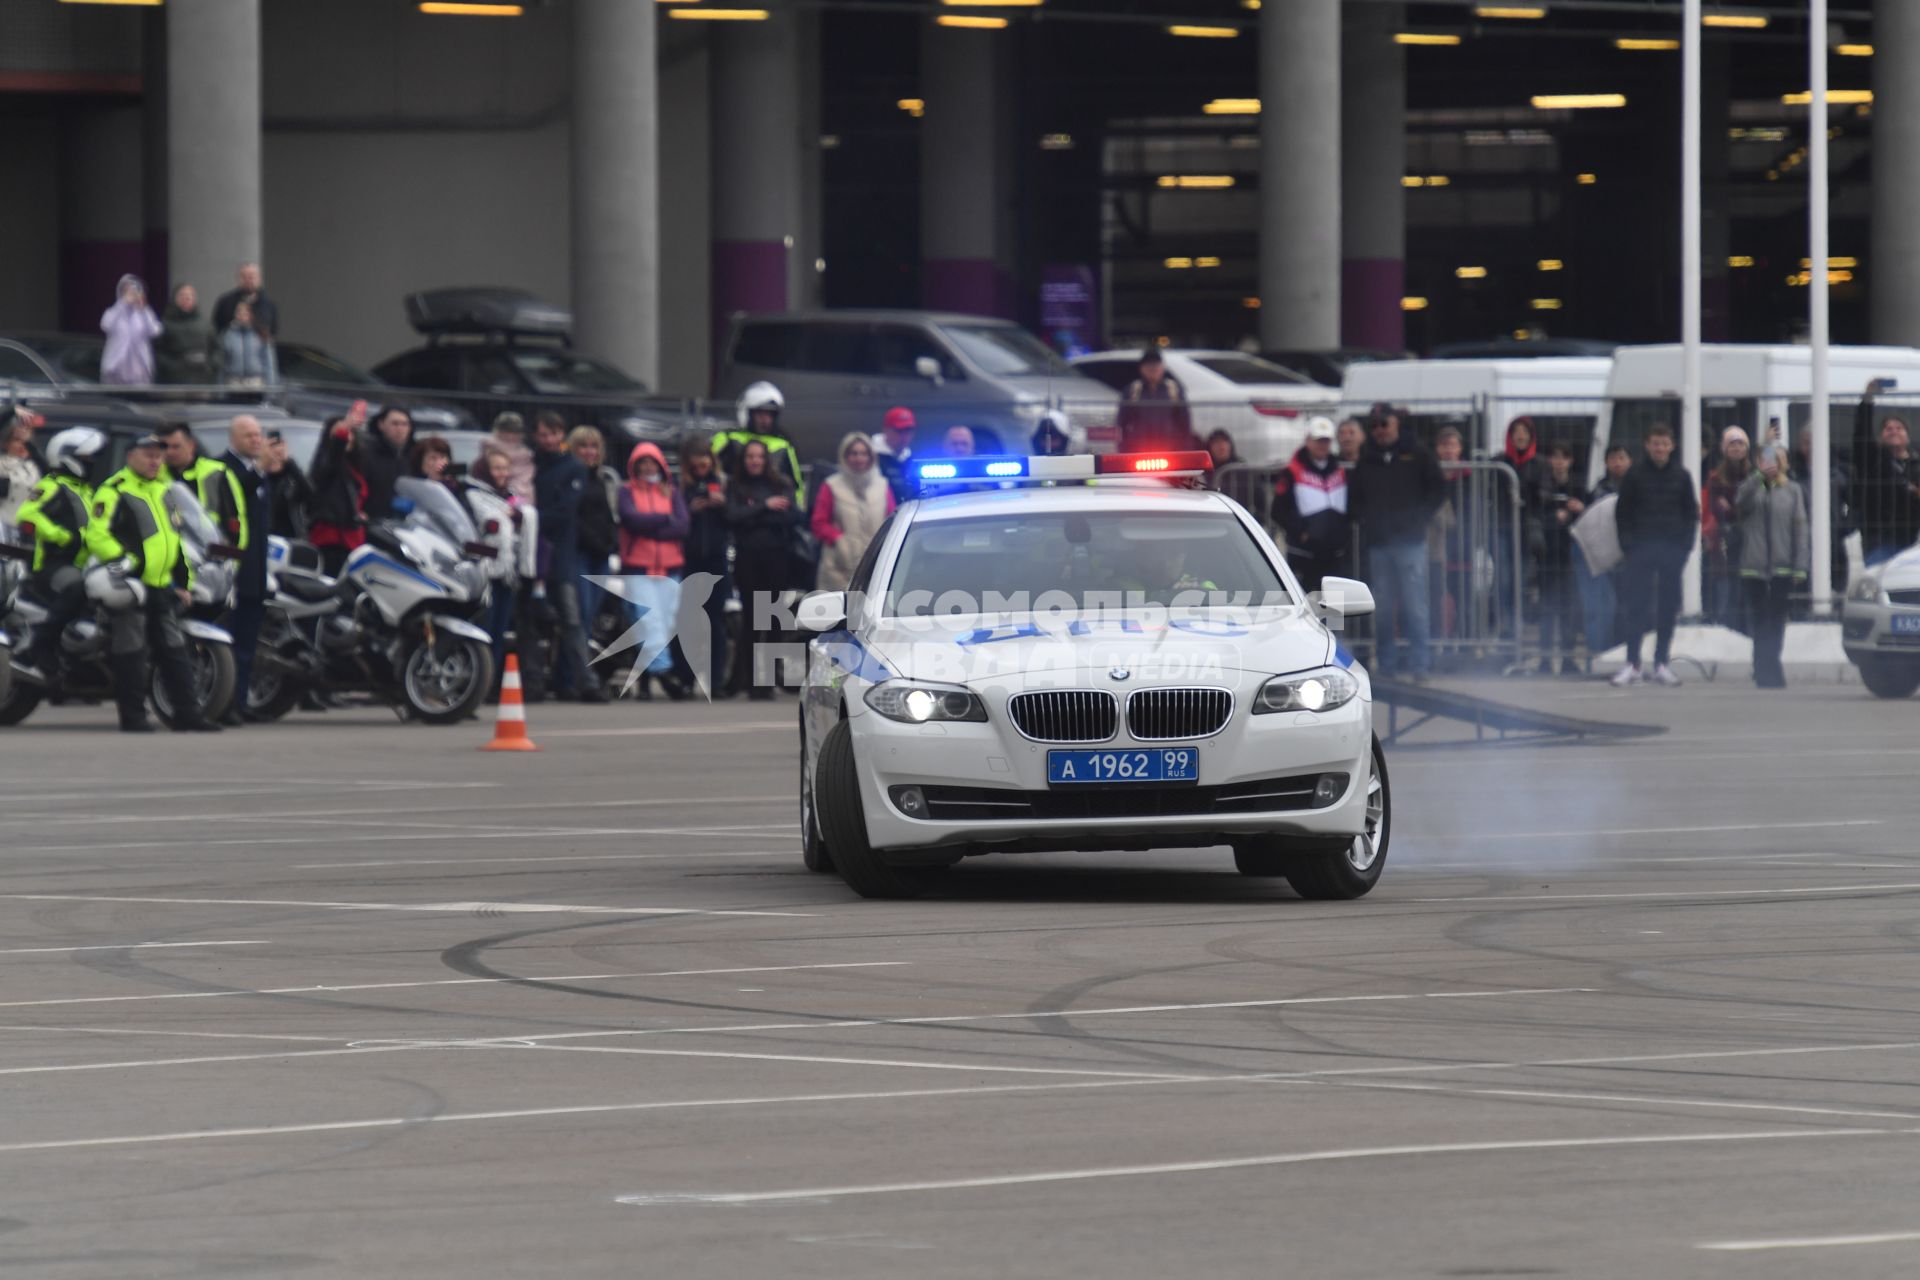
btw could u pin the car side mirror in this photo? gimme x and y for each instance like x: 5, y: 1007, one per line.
x: 1342, y: 598
x: 822, y: 611
x: 929, y: 368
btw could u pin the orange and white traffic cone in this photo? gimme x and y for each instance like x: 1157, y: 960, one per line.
x: 510, y: 725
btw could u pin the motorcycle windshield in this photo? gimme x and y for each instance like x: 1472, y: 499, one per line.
x: 196, y: 527
x: 435, y: 507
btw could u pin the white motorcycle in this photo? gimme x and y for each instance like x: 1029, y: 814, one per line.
x: 397, y: 622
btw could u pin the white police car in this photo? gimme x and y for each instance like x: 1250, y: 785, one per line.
x: 1027, y: 662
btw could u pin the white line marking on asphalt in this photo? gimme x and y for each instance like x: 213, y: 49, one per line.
x: 557, y: 833
x: 66, y: 818
x: 1259, y: 1162
x: 926, y: 1020
x: 550, y: 857
x: 757, y: 726
x: 348, y: 1051
x: 312, y: 989
x: 436, y: 908
x: 172, y: 793
x: 1675, y: 893
x: 1647, y: 1099
x: 129, y: 946
x: 148, y: 1031
x: 1565, y: 832
x: 865, y: 1062
x: 1811, y: 1242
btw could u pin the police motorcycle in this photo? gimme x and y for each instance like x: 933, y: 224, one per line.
x: 397, y: 622
x: 84, y: 672
x: 14, y: 560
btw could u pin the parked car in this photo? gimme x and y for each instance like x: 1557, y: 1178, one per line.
x: 1262, y: 406
x: 38, y: 360
x: 841, y: 371
x: 1328, y: 366
x: 496, y: 350
x: 319, y: 384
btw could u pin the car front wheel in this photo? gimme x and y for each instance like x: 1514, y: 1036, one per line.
x: 1890, y: 677
x: 836, y: 796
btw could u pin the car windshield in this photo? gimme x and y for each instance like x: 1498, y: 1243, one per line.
x: 73, y: 356
x: 1251, y: 371
x: 1007, y: 562
x: 558, y: 373
x: 310, y: 364
x: 1004, y: 349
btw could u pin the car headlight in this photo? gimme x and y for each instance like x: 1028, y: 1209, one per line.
x: 1867, y: 588
x: 911, y: 703
x: 1321, y: 690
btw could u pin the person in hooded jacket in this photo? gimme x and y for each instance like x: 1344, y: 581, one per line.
x: 1050, y: 438
x: 762, y: 514
x: 187, y: 347
x: 852, y: 505
x: 131, y: 327
x: 705, y: 495
x: 1522, y: 453
x: 654, y: 524
x: 1243, y: 484
x: 1311, y: 507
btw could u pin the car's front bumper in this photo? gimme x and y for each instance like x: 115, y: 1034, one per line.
x: 1867, y: 630
x: 995, y: 757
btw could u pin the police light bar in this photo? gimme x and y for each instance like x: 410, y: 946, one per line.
x: 1041, y: 469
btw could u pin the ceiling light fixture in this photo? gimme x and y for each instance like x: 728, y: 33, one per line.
x: 1577, y: 101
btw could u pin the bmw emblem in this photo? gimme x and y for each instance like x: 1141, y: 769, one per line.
x: 1119, y: 673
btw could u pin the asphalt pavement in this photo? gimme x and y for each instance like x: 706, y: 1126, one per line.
x: 346, y: 997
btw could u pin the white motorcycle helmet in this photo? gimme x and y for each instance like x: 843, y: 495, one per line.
x: 115, y: 586
x: 72, y: 450
x: 761, y: 395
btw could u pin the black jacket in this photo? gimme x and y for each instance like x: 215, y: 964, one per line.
x: 560, y: 480
x: 257, y: 491
x: 706, y: 545
x: 337, y: 498
x: 1313, y: 505
x: 762, y: 537
x: 383, y: 465
x: 292, y: 497
x: 1657, y: 504
x: 1396, y: 490
x: 1882, y: 489
x: 596, y: 533
x: 1556, y: 535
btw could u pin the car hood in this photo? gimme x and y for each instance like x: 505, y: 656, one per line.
x: 1902, y: 573
x: 1151, y: 646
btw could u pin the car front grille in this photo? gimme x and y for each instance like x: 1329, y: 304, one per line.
x: 1132, y: 800
x: 1171, y: 715
x: 1908, y: 598
x: 1065, y: 715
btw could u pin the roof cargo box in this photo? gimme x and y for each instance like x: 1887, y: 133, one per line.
x: 478, y: 309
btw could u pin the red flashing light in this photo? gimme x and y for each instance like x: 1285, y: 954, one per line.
x: 1185, y: 461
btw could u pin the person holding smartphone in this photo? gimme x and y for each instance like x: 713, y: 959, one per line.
x: 131, y: 327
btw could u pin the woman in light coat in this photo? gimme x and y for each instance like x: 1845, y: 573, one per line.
x: 131, y: 327
x: 850, y: 509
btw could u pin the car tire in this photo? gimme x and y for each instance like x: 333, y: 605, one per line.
x: 814, y: 854
x: 836, y: 796
x: 1351, y: 868
x: 1890, y: 677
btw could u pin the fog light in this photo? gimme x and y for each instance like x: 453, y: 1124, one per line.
x: 911, y: 802
x: 1328, y: 789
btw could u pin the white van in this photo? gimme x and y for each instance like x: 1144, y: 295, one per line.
x: 1749, y: 386
x: 1562, y: 394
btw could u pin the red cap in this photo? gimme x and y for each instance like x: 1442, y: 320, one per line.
x: 900, y: 418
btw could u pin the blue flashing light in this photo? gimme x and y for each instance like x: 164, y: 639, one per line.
x: 970, y: 470
x: 1005, y: 468
x: 938, y: 471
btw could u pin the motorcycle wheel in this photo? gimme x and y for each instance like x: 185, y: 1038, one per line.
x: 19, y: 702
x: 444, y: 681
x: 213, y: 678
x: 271, y: 695
x: 6, y: 674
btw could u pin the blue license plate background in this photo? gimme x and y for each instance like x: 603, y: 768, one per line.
x: 1906, y: 624
x: 1138, y: 765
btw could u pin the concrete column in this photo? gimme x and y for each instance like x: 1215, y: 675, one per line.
x: 616, y: 185
x: 1373, y: 133
x: 1300, y: 174
x: 1893, y: 269
x: 213, y: 141
x: 153, y: 120
x: 757, y: 179
x: 101, y: 231
x: 686, y: 284
x: 963, y: 192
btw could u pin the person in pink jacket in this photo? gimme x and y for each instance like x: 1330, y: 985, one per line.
x: 131, y: 327
x: 653, y: 531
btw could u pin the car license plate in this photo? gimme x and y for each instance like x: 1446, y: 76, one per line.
x: 1906, y: 624
x: 1163, y: 765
